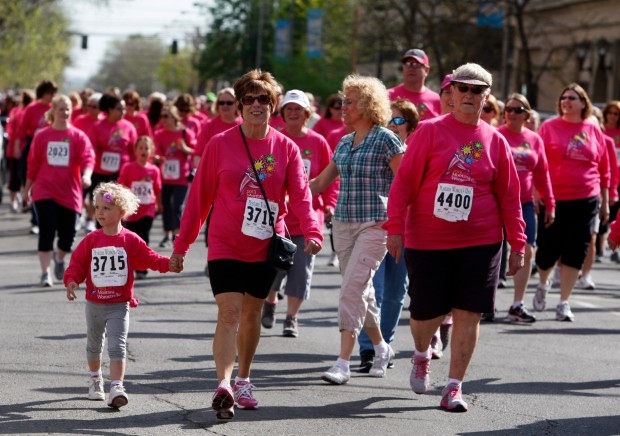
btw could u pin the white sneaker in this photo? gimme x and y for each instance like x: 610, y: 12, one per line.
x: 585, y: 282
x: 336, y: 375
x: 34, y: 230
x: 333, y: 260
x: 540, y: 297
x: 117, y: 397
x: 563, y: 312
x: 46, y: 280
x: 379, y: 366
x: 95, y: 389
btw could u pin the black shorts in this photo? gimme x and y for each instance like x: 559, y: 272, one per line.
x: 459, y: 278
x: 55, y: 219
x: 568, y: 238
x: 229, y: 275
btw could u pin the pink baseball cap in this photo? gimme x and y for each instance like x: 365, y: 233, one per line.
x: 416, y: 54
x: 446, y: 81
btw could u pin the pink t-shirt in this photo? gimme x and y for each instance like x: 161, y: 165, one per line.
x: 141, y: 124
x: 192, y: 123
x: 14, y: 131
x: 577, y: 156
x: 452, y: 170
x: 315, y: 155
x: 113, y: 143
x: 528, y: 153
x: 277, y: 122
x: 209, y: 129
x: 614, y: 171
x: 145, y: 182
x: 426, y: 102
x: 325, y: 126
x: 615, y: 135
x: 175, y: 168
x: 225, y: 184
x: 34, y: 117
x: 85, y: 122
x: 334, y: 137
x: 126, y: 253
x: 56, y: 161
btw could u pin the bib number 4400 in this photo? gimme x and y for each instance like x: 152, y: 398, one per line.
x: 453, y: 202
x: 456, y: 200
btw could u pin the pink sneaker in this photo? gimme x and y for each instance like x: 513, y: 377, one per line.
x: 223, y: 403
x: 420, y: 379
x: 452, y: 400
x: 243, y: 395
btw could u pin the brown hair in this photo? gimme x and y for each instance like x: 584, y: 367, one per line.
x: 409, y: 111
x: 583, y: 96
x: 613, y: 104
x: 256, y: 81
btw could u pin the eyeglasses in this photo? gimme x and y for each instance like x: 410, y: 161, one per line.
x: 475, y: 89
x: 225, y: 103
x: 487, y: 109
x: 569, y: 97
x: 517, y: 110
x: 248, y: 100
x: 398, y: 121
x: 412, y: 64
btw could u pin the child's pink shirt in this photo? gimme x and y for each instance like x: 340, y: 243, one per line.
x: 145, y: 182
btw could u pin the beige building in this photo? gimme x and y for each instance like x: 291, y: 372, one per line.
x: 570, y: 41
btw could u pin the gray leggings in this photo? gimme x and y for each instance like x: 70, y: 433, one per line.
x: 111, y: 320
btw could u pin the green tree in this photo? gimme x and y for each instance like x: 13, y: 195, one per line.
x: 131, y: 63
x: 34, y: 42
x: 176, y: 71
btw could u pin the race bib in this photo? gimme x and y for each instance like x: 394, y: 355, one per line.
x: 110, y: 162
x: 453, y: 202
x: 58, y: 153
x: 307, y: 165
x: 258, y: 221
x: 108, y: 267
x: 144, y: 191
x: 171, y: 169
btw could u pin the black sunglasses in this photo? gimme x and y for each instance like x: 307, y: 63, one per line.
x: 226, y: 103
x: 248, y: 100
x: 517, y: 110
x: 569, y: 97
x: 487, y: 109
x: 477, y: 90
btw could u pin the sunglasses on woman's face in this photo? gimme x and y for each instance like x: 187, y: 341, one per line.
x: 248, y: 100
x: 569, y: 97
x: 517, y: 110
x: 398, y: 121
x: 488, y: 109
x: 225, y: 103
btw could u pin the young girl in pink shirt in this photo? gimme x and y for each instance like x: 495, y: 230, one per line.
x: 105, y: 260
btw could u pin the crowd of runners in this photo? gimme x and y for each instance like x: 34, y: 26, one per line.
x: 439, y: 196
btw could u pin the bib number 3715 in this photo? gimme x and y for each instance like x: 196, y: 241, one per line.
x: 453, y: 202
x: 108, y: 266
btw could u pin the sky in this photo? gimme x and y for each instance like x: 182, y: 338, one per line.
x: 105, y: 22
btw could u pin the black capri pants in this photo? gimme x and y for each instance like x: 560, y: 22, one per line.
x: 54, y: 218
x: 569, y: 237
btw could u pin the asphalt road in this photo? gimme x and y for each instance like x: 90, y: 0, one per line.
x: 548, y: 378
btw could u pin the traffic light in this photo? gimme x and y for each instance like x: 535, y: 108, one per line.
x: 84, y: 42
x: 174, y: 48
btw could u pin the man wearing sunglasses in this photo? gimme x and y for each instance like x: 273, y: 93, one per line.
x: 416, y: 67
x: 457, y: 181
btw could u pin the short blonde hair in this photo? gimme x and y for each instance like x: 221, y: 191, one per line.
x: 119, y: 196
x: 374, y: 103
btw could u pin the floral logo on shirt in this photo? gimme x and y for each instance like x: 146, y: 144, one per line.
x: 307, y: 153
x: 265, y: 166
x: 520, y: 155
x: 422, y: 110
x: 459, y: 168
x: 577, y: 148
x: 115, y: 138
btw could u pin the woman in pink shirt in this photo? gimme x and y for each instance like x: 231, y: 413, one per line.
x: 611, y: 118
x: 240, y: 228
x: 144, y: 180
x: 91, y: 116
x: 452, y: 195
x: 60, y: 164
x: 16, y: 145
x: 579, y: 169
x: 174, y: 146
x: 134, y: 114
x: 528, y: 153
x: 113, y: 138
x: 332, y: 119
x: 315, y: 154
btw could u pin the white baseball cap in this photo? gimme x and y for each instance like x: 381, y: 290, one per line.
x: 295, y: 96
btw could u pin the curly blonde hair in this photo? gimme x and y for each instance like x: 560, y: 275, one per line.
x: 373, y: 103
x: 119, y: 195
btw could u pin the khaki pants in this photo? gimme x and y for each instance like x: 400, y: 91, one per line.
x: 360, y: 248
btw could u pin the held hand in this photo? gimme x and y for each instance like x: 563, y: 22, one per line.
x: 86, y: 182
x: 71, y: 287
x: 311, y: 247
x: 515, y: 263
x: 549, y: 218
x: 176, y: 263
x: 395, y: 246
x: 612, y: 244
x: 604, y: 214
